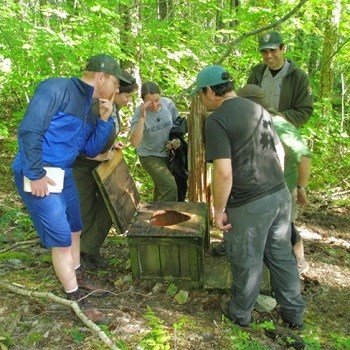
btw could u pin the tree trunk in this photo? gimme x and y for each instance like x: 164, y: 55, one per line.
x: 234, y: 6
x: 329, y: 47
x: 218, y: 18
x: 198, y: 189
x: 162, y: 9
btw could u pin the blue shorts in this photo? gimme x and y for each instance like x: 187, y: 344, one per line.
x: 55, y: 216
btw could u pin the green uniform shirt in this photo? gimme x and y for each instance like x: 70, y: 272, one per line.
x: 294, y: 148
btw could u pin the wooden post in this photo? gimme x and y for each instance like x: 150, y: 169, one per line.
x: 198, y: 189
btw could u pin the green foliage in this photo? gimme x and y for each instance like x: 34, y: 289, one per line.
x: 24, y: 257
x: 5, y: 341
x: 4, y: 132
x: 331, y: 150
x: 56, y: 39
x: 241, y: 340
x: 121, y: 345
x: 76, y: 334
x: 46, y: 258
x: 14, y: 220
x: 181, y: 297
x: 183, y: 322
x: 33, y: 338
x: 312, y: 342
x: 268, y: 325
x: 158, y: 338
x: 172, y: 290
x: 340, y: 342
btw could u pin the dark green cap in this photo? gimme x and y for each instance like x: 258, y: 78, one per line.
x: 105, y: 64
x: 270, y: 40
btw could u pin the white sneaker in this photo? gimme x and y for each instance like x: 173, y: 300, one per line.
x: 303, y: 266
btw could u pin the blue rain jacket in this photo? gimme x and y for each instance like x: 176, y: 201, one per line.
x: 57, y: 126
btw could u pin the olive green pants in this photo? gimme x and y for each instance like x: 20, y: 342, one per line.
x: 165, y: 188
x: 94, y: 213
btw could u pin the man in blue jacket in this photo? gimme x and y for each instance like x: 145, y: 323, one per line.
x: 55, y: 129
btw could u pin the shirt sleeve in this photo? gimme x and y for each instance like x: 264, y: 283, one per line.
x: 302, y: 102
x: 291, y: 139
x: 45, y: 103
x: 170, y: 104
x: 217, y: 141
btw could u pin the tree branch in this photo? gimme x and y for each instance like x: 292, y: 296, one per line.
x: 259, y: 30
x: 248, y: 34
x: 340, y: 47
x: 88, y: 323
x: 34, y: 241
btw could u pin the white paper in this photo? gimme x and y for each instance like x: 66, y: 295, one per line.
x: 55, y: 174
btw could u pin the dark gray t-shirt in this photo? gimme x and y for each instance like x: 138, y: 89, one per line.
x: 242, y: 130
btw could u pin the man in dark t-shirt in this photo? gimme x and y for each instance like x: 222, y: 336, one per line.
x: 251, y: 201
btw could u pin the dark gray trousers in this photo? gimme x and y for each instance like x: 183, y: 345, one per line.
x: 261, y: 233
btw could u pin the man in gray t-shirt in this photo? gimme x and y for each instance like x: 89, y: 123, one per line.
x: 251, y: 201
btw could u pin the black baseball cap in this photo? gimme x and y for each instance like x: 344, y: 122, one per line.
x: 105, y: 64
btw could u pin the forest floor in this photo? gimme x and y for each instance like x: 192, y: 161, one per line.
x: 146, y: 315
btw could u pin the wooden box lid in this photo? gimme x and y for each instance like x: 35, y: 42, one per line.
x: 118, y: 190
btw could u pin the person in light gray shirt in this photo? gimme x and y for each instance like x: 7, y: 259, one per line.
x: 150, y: 129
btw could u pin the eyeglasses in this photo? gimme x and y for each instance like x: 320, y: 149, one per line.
x: 114, y: 79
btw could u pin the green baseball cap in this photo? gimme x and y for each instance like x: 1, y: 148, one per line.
x: 105, y: 64
x: 270, y: 40
x: 209, y: 76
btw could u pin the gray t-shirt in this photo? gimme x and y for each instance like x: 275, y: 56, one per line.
x: 156, y: 128
x: 242, y: 131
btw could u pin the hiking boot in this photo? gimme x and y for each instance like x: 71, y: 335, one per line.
x: 85, y: 282
x: 290, y: 324
x: 93, y: 262
x: 225, y: 305
x: 293, y: 325
x: 303, y: 266
x: 219, y: 249
x: 88, y: 310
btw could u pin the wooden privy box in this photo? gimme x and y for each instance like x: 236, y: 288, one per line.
x: 166, y: 240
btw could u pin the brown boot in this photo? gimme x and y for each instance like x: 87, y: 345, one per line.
x: 85, y: 282
x: 89, y: 311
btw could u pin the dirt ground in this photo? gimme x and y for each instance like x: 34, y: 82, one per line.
x: 146, y: 315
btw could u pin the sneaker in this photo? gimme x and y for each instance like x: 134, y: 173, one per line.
x: 88, y: 310
x: 93, y: 262
x: 303, y: 266
x: 220, y: 249
x: 86, y: 283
